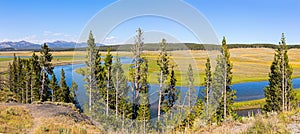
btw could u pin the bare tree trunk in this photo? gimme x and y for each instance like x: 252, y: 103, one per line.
x: 207, y: 88
x: 31, y: 91
x: 107, y: 91
x: 90, y: 86
x: 123, y: 119
x: 159, y: 95
x: 26, y: 101
x: 52, y: 95
x: 117, y: 88
x: 136, y: 75
x: 189, y: 111
x: 225, y: 92
x: 144, y: 122
x: 136, y: 80
x: 283, y: 81
x: 43, y: 84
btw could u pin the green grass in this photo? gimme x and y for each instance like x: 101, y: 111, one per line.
x: 258, y: 103
x: 5, y: 59
x: 297, y: 91
x: 248, y: 104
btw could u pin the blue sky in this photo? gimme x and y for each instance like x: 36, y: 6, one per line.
x: 247, y: 21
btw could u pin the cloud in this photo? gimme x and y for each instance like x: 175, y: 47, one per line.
x: 57, y: 34
x: 29, y: 38
x: 50, y: 33
x: 111, y: 40
x: 45, y: 36
x: 46, y: 33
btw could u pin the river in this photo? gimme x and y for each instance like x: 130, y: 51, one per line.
x: 245, y: 91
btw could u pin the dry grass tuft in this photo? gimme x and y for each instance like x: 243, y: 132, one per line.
x: 15, y: 120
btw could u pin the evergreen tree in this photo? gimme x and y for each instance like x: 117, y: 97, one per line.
x: 35, y: 80
x: 109, y: 87
x: 120, y: 85
x: 47, y: 68
x: 279, y: 93
x: 198, y: 108
x: 27, y: 79
x: 72, y: 95
x: 13, y: 75
x: 137, y: 50
x: 2, y: 83
x: 12, y: 80
x: 64, y: 89
x: 163, y: 63
x: 222, y: 82
x: 207, y: 80
x: 55, y: 89
x: 171, y: 93
x: 99, y: 95
x: 208, y: 92
x: 20, y: 80
x: 190, y: 96
x: 90, y: 63
x: 143, y: 113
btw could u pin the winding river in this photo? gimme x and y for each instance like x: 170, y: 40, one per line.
x: 245, y: 91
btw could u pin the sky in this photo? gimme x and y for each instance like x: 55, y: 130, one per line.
x: 241, y: 21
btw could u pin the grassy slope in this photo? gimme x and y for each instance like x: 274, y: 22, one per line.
x: 43, y: 118
x: 15, y: 119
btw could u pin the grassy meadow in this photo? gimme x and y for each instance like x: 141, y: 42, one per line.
x: 249, y: 64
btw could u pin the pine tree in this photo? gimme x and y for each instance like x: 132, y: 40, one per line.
x: 27, y: 80
x: 109, y: 87
x: 35, y: 80
x: 99, y: 94
x: 13, y: 75
x: 90, y: 63
x: 137, y: 50
x: 143, y: 112
x: 55, y: 89
x: 72, y: 95
x: 208, y: 92
x: 21, y: 79
x: 64, y: 89
x: 120, y: 85
x: 198, y: 108
x: 163, y: 63
x: 190, y: 95
x: 207, y: 80
x: 279, y: 94
x: 222, y: 82
x: 171, y: 93
x: 2, y: 83
x: 47, y: 68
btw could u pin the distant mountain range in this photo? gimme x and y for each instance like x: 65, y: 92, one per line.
x: 24, y: 45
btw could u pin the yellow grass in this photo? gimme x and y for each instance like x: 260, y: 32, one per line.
x: 249, y: 64
x: 15, y: 120
x: 64, y: 124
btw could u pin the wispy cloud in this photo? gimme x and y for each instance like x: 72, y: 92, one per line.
x: 45, y: 36
x: 29, y: 38
x: 111, y: 40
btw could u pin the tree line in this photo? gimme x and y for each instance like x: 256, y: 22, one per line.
x: 112, y: 102
x: 181, y: 46
x: 28, y: 80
